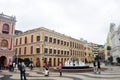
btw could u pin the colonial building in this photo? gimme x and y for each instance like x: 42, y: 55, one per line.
x: 89, y: 55
x: 42, y: 45
x: 7, y: 26
x: 97, y: 50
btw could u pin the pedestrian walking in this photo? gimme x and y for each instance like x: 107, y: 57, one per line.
x: 46, y: 71
x: 94, y: 67
x: 22, y: 71
x: 31, y: 66
x: 98, y: 67
x: 60, y: 68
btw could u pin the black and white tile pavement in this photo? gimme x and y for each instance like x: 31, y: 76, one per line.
x: 113, y: 74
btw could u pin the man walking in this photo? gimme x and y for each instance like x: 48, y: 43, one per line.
x: 22, y: 71
x: 98, y: 67
x: 94, y: 66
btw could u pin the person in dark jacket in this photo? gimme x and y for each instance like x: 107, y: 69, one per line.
x: 94, y: 66
x: 98, y: 67
x: 22, y: 71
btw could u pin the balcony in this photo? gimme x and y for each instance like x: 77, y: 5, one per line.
x: 6, y: 35
x: 6, y: 51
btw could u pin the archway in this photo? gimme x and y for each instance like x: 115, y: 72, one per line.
x: 38, y: 62
x: 3, y: 60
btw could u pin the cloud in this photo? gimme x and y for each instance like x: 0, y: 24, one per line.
x: 88, y: 19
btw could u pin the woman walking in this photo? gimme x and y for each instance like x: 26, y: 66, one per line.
x: 60, y: 68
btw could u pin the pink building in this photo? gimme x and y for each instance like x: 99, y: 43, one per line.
x: 7, y: 28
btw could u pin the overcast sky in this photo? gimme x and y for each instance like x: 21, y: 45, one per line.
x: 87, y: 19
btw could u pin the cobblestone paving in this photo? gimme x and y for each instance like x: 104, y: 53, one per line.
x: 36, y: 74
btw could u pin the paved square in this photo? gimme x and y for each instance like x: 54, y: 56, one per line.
x: 113, y: 73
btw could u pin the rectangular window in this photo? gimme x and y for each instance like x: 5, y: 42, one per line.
x: 54, y: 41
x: 16, y: 51
x: 19, y: 51
x: 20, y: 40
x: 64, y: 52
x: 31, y: 50
x: 46, y: 38
x: 54, y: 51
x: 24, y: 50
x: 67, y: 43
x: 67, y: 52
x: 64, y: 43
x: 50, y: 51
x: 31, y: 38
x: 25, y: 40
x: 16, y: 41
x: 45, y: 50
x: 50, y: 39
x: 61, y: 42
x: 61, y: 51
x: 70, y: 44
x: 37, y: 50
x: 38, y: 38
x: 58, y: 41
x: 58, y: 51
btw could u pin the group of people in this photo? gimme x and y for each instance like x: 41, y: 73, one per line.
x: 47, y: 69
x: 21, y: 67
x: 96, y: 66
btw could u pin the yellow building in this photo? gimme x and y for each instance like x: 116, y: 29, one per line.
x: 98, y: 50
x: 89, y: 55
x: 95, y: 48
x: 42, y: 45
x: 101, y: 52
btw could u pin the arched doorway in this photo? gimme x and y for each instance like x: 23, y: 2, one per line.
x: 38, y: 62
x: 3, y: 61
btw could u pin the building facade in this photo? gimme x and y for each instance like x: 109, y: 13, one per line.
x: 42, y: 45
x: 108, y: 44
x: 89, y: 55
x: 7, y: 26
x: 95, y: 48
x: 115, y: 46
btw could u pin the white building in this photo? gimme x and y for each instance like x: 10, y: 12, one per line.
x: 108, y: 42
x: 115, y: 41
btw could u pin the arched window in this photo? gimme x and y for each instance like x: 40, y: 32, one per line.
x: 5, y: 28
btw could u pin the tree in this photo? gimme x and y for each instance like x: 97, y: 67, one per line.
x: 108, y: 47
x: 110, y: 59
x: 27, y: 61
x: 97, y: 58
x: 118, y: 59
x: 17, y: 60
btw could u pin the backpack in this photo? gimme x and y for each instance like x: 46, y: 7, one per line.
x: 23, y: 67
